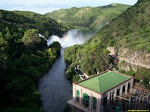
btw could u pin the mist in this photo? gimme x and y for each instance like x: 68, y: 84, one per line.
x: 71, y: 38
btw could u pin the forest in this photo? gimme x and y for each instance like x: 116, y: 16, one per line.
x: 92, y: 59
x: 24, y: 58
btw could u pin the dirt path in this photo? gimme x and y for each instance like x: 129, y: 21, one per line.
x: 134, y: 63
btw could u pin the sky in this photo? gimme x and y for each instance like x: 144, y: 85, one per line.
x: 44, y: 6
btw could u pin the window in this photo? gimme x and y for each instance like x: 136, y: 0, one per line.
x: 77, y: 95
x: 94, y: 103
x: 85, y: 100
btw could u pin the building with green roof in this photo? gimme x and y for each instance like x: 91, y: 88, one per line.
x: 96, y: 92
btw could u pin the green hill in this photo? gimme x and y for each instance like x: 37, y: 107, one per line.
x: 29, y: 20
x: 130, y: 30
x: 24, y: 58
x: 88, y: 17
x: 129, y: 33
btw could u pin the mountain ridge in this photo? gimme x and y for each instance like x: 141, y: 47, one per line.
x: 87, y: 17
x: 129, y: 27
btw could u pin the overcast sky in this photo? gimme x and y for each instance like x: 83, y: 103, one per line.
x: 44, y: 6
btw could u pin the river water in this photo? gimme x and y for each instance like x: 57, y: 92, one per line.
x: 54, y: 88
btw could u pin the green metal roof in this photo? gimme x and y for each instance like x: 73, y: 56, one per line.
x: 104, y: 82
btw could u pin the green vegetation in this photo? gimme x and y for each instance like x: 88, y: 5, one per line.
x: 92, y: 58
x: 76, y: 78
x: 70, y: 73
x: 23, y: 20
x: 130, y: 30
x: 140, y: 74
x: 24, y: 58
x: 88, y: 17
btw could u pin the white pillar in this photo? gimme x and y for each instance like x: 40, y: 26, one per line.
x: 74, y: 93
x: 131, y: 85
x: 132, y: 81
x: 112, y: 95
x: 108, y: 98
x: 121, y: 88
x: 115, y: 93
x: 99, y: 106
x: 126, y: 88
x: 129, y: 101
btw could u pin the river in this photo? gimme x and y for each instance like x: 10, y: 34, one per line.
x: 54, y: 88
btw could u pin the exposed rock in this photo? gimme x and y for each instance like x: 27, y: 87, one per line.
x: 130, y: 59
x: 134, y: 56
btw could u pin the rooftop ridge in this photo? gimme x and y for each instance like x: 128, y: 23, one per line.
x: 91, y: 77
x: 99, y: 84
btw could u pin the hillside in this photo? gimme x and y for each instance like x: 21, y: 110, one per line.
x: 24, y: 58
x: 129, y: 34
x: 87, y: 17
x: 29, y: 20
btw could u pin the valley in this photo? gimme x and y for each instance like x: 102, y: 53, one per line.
x: 42, y: 56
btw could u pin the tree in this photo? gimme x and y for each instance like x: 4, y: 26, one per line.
x: 31, y: 38
x: 56, y: 45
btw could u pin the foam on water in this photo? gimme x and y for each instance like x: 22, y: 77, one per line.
x: 71, y: 38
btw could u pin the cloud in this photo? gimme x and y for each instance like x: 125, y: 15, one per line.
x: 43, y: 6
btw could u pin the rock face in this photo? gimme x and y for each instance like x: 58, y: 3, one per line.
x: 123, y: 65
x: 130, y: 59
x: 111, y: 50
x: 134, y: 56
